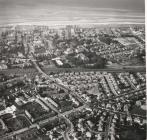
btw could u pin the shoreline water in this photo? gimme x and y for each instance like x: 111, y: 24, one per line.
x: 113, y: 24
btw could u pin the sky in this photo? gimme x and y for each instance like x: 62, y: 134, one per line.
x: 71, y: 11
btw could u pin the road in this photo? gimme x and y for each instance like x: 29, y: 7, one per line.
x: 123, y: 95
x: 12, y: 80
x: 63, y: 115
x: 108, y: 127
x: 43, y: 122
x: 111, y: 85
x: 118, y: 112
x: 66, y: 136
x: 130, y: 82
x: 31, y: 71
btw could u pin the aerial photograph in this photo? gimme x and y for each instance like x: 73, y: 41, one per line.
x: 72, y: 70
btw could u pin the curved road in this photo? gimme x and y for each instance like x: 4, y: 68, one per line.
x: 70, y: 125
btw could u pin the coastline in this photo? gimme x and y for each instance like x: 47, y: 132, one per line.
x: 112, y: 24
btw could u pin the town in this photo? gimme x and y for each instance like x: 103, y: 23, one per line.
x: 72, y: 82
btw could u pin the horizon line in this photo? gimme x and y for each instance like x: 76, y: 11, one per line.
x: 64, y: 24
